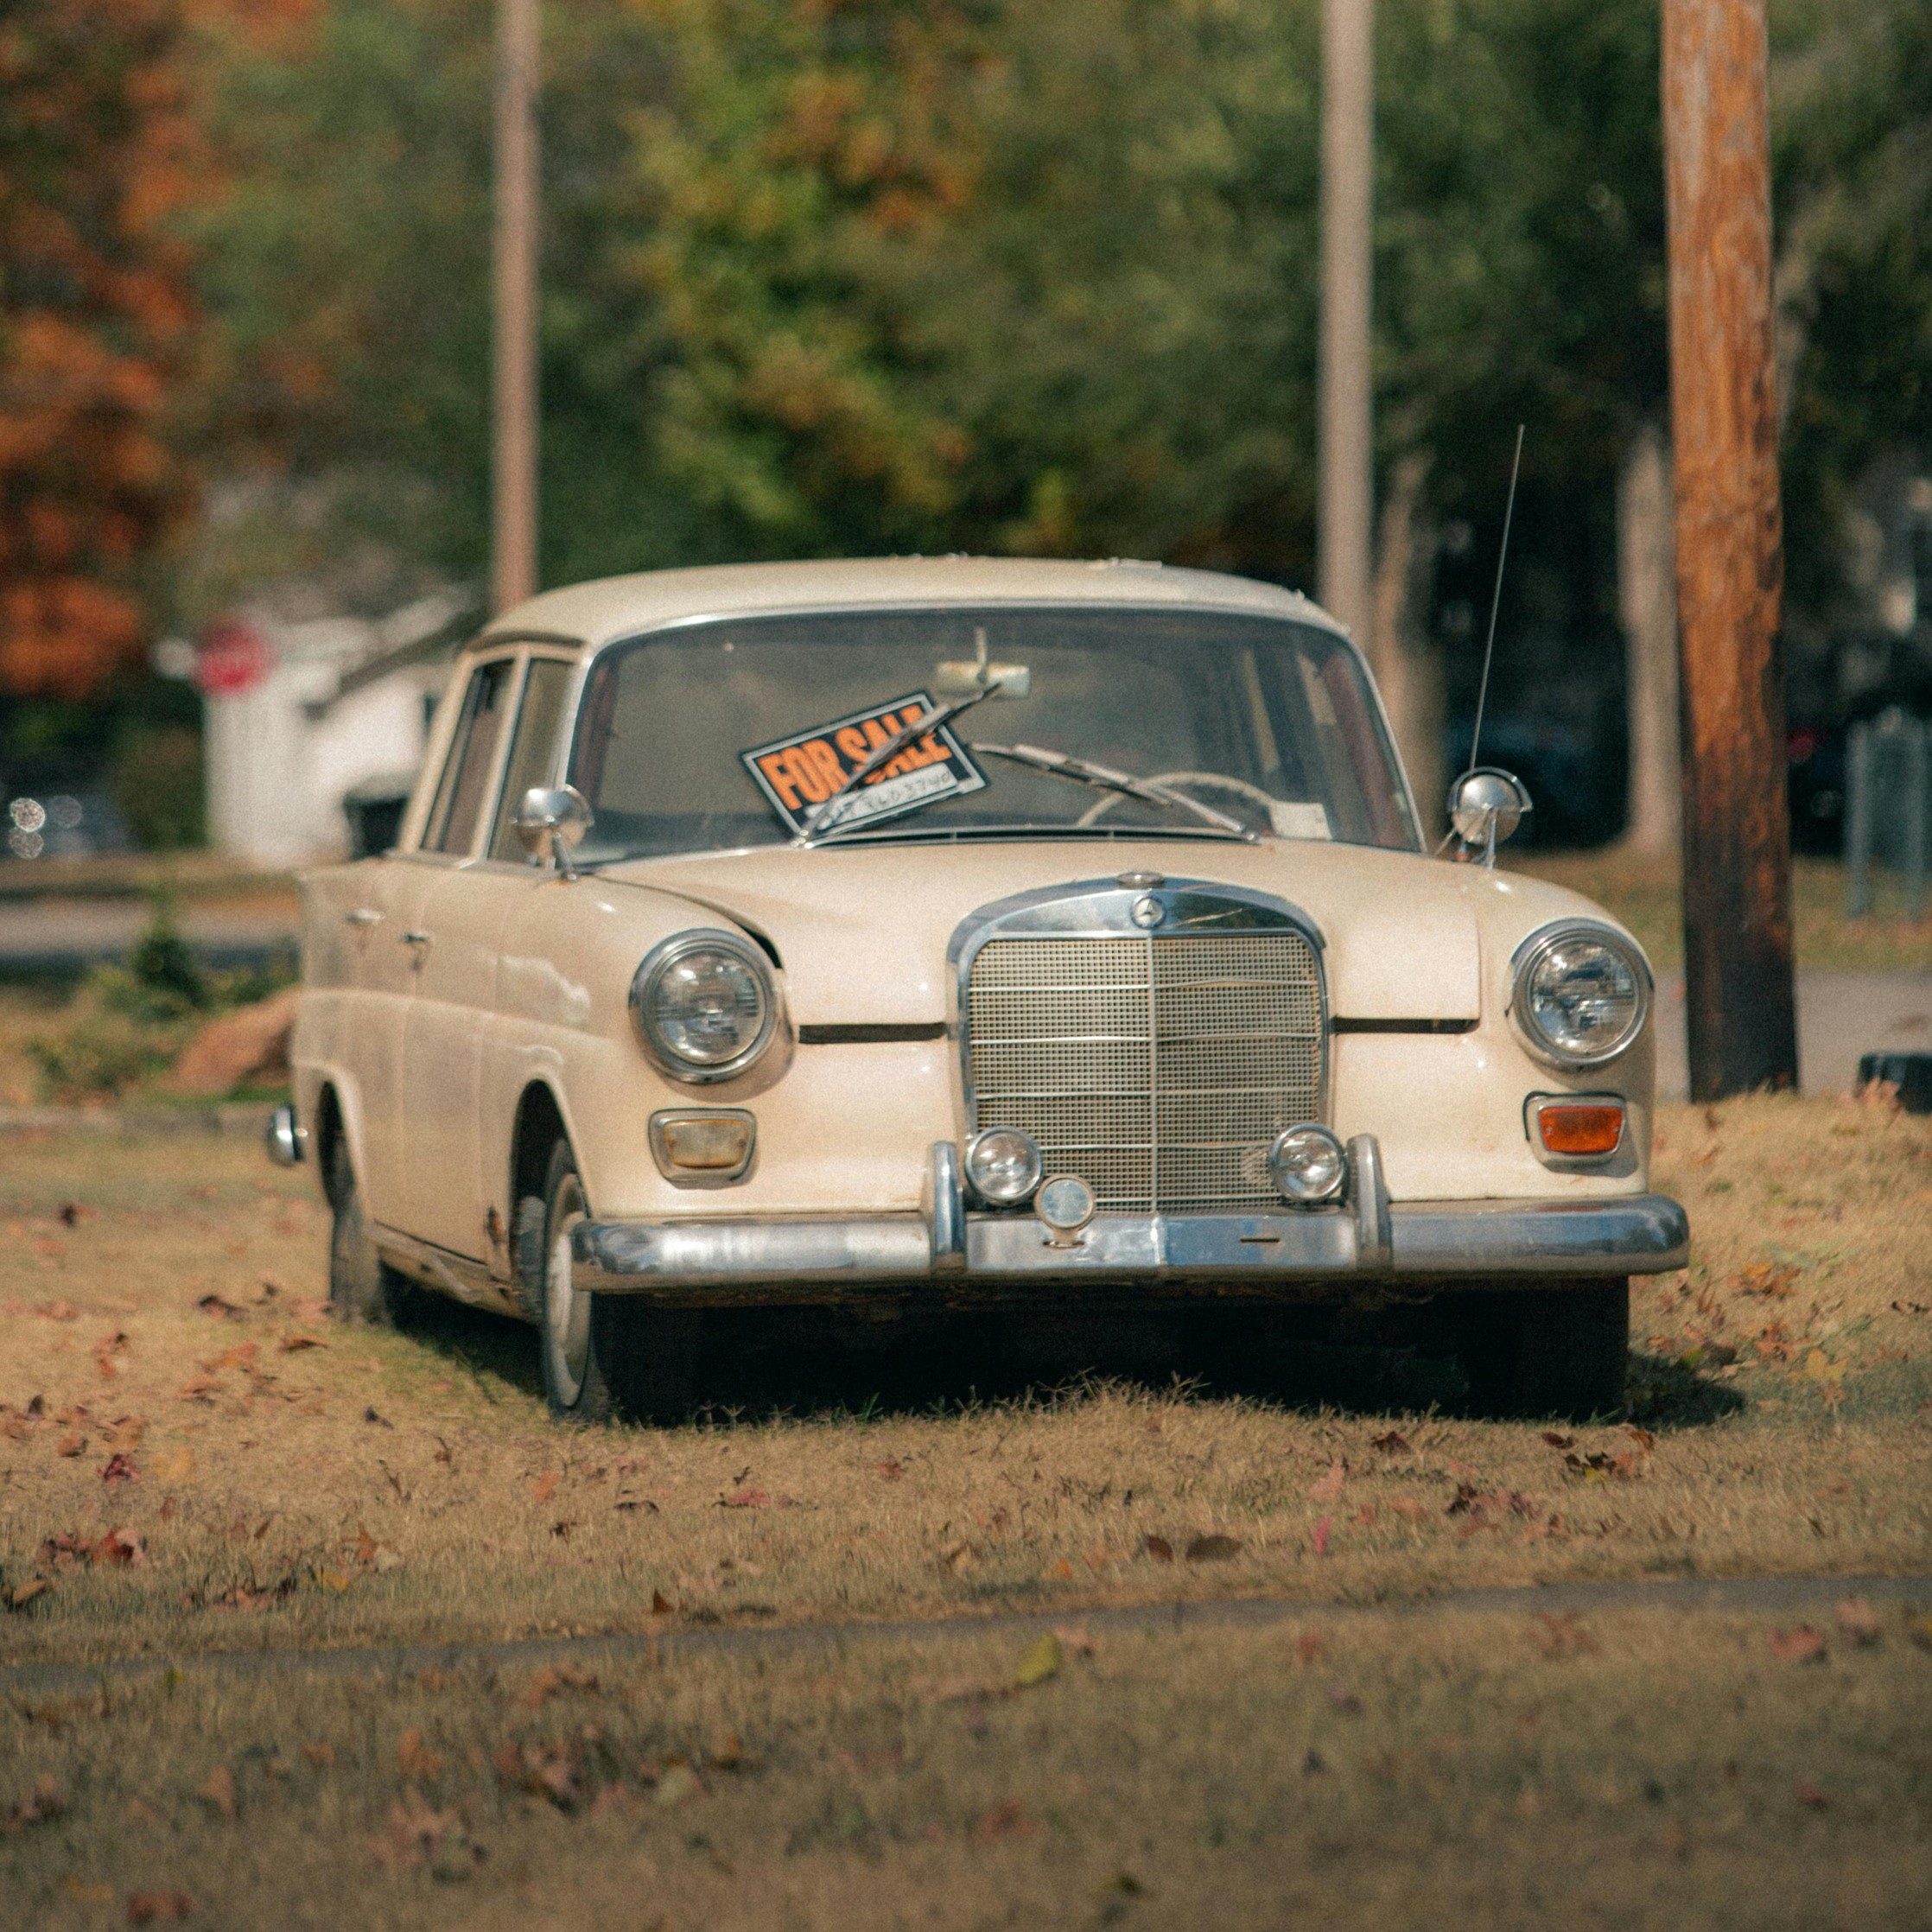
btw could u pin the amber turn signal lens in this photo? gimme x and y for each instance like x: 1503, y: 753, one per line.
x: 1580, y: 1127
x: 709, y: 1145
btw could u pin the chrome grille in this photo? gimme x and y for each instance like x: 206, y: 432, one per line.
x: 1159, y: 1067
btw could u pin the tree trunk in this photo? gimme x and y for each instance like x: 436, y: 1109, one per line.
x: 1739, y: 993
x: 1405, y: 658
x: 1647, y: 603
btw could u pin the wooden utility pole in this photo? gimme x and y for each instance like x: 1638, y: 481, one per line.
x: 513, y: 388
x: 1345, y: 510
x: 1738, y: 977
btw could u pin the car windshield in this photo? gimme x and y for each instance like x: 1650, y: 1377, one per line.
x: 739, y: 732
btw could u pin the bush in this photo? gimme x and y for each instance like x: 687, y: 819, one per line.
x: 127, y: 1024
x: 156, y: 778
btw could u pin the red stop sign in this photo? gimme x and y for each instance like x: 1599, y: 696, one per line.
x: 233, y: 657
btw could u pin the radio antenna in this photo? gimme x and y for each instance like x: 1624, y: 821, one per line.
x: 1496, y: 605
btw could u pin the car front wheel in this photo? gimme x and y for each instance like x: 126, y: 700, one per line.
x: 362, y: 1285
x: 1550, y: 1349
x: 605, y: 1356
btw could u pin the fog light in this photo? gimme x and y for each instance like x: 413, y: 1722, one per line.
x: 1065, y: 1205
x: 1578, y: 1129
x: 1003, y: 1165
x: 706, y: 1148
x: 1308, y: 1165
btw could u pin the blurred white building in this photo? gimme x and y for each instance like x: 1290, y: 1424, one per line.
x: 328, y: 704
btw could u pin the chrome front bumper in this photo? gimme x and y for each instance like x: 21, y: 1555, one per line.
x: 1368, y: 1240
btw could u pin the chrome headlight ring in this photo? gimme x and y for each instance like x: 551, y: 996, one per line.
x: 1579, y: 994
x: 730, y: 1005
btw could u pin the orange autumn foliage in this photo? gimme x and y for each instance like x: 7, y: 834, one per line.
x: 98, y: 158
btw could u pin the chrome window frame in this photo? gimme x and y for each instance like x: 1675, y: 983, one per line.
x: 1103, y: 909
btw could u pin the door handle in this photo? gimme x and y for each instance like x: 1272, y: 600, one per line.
x: 363, y: 915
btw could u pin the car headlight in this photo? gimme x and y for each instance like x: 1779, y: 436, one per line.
x: 1004, y: 1166
x: 1309, y: 1166
x: 703, y: 1005
x: 1581, y: 995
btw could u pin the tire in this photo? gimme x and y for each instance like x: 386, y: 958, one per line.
x: 362, y: 1285
x: 605, y: 1356
x: 1557, y: 1349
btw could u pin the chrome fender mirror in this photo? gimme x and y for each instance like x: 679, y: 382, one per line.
x: 555, y: 821
x: 1486, y: 806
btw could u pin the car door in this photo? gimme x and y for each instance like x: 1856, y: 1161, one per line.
x: 448, y: 1194
x: 398, y: 1104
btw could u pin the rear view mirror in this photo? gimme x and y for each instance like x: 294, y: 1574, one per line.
x: 1485, y: 808
x: 963, y: 676
x: 555, y: 820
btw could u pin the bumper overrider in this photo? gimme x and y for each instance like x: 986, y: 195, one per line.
x: 1366, y: 1239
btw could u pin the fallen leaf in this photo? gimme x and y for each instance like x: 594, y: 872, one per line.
x: 660, y: 1605
x: 1557, y: 1440
x: 1327, y: 1486
x: 219, y: 1792
x: 118, y: 1546
x: 22, y: 1594
x: 544, y: 1487
x: 1344, y: 1700
x: 1159, y: 1548
x: 1213, y: 1548
x: 333, y: 1579
x: 1041, y: 1661
x: 413, y: 1758
x: 144, y: 1908
x: 320, y: 1753
x: 173, y: 1466
x: 1806, y: 1793
x: 891, y: 1469
x: 1857, y: 1620
x: 69, y: 1214
x: 1004, y: 1821
x: 381, y: 1422
x: 1392, y: 1442
x: 745, y: 1499
x: 678, y: 1783
x: 118, y: 1468
x: 1309, y: 1646
x: 292, y: 1344
x: 1322, y: 1529
x: 1800, y: 1644
x: 1409, y: 1507
x: 57, y: 1310
x: 221, y: 1310
x: 106, y: 1350
x: 72, y: 1444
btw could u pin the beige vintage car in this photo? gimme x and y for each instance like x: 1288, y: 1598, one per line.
x: 920, y: 934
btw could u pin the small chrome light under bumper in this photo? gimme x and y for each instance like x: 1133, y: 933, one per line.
x: 1369, y: 1239
x: 285, y: 1139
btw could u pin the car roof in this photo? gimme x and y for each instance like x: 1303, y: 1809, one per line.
x: 598, y: 612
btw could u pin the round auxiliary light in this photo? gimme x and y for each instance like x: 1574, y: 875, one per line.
x: 1065, y: 1206
x: 703, y: 1005
x: 1582, y: 994
x: 1309, y: 1166
x: 1004, y: 1166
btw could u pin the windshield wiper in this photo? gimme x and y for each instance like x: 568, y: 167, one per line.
x: 884, y: 754
x: 1063, y: 764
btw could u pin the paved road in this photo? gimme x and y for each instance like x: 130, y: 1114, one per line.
x: 52, y: 937
x: 1758, y: 1596
x: 1841, y: 1015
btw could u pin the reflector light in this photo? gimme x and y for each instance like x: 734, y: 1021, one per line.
x: 1581, y: 1128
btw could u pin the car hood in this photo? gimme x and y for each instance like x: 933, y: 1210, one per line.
x: 862, y: 929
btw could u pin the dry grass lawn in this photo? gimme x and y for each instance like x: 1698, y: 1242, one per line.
x: 192, y: 1457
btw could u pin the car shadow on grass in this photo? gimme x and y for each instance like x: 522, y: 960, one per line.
x: 826, y: 1366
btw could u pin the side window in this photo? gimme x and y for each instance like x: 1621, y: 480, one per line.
x: 533, y: 749
x: 452, y: 822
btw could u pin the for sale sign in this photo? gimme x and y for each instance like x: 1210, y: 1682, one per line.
x: 800, y: 774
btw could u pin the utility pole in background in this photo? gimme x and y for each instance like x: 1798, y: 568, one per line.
x: 1345, y: 507
x: 1738, y: 975
x: 513, y: 341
